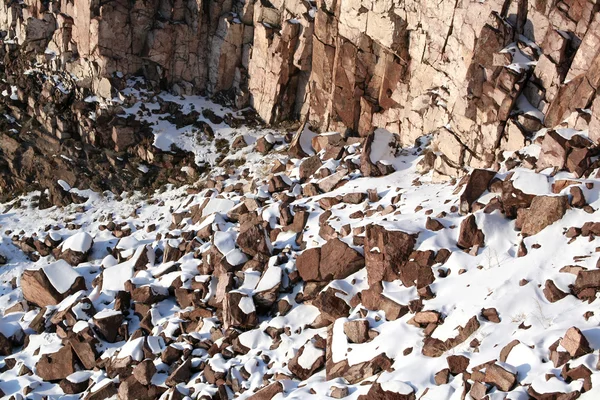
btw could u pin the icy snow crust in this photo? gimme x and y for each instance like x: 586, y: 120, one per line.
x: 490, y: 279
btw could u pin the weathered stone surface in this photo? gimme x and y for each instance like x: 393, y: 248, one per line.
x: 396, y: 391
x: 56, y: 366
x: 575, y: 343
x: 386, y: 252
x: 499, y: 377
x: 544, y: 211
x: 335, y: 260
x: 470, y: 235
x: 477, y: 184
x: 38, y: 288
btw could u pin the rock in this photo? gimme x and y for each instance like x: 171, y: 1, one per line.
x: 331, y: 306
x: 457, y: 364
x: 76, y: 249
x: 552, y: 293
x: 56, y: 366
x: 106, y: 391
x: 357, y: 331
x: 308, y: 167
x: 268, y: 392
x: 130, y: 388
x: 239, y: 311
x: 263, y: 145
x: 507, y: 349
x: 279, y: 183
x: 335, y: 260
x: 490, y: 314
x: 51, y: 284
x: 181, y: 374
x: 392, y: 390
x: 386, y: 252
x: 108, y: 324
x: 442, y: 377
x: 433, y: 224
x: 254, y: 241
x: 470, y: 235
x: 553, y: 153
x: 544, y: 211
x: 69, y: 387
x: 338, y: 392
x: 477, y: 184
x: 499, y: 377
x: 307, y: 361
x: 144, y: 372
x: 577, y: 197
x: 326, y: 185
x: 575, y: 343
x: 356, y: 372
x: 433, y: 347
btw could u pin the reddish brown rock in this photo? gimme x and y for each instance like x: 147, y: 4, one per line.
x: 357, y: 331
x: 457, y: 364
x: 268, y: 392
x: 395, y: 391
x: 239, y: 311
x: 575, y: 343
x: 56, y: 366
x: 544, y: 211
x: 433, y: 224
x: 335, y: 260
x: 477, y: 184
x: 499, y: 377
x: 553, y: 293
x: 470, y: 235
x: 144, y: 371
x: 331, y: 306
x: 554, y: 151
x: 38, y: 289
x: 386, y: 252
x: 304, y: 371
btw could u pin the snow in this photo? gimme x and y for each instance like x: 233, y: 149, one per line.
x: 133, y: 349
x: 396, y: 387
x: 531, y: 183
x: 61, y: 275
x: 80, y: 242
x: 309, y: 355
x: 247, y: 305
x: 79, y: 376
x: 270, y: 279
x: 66, y: 187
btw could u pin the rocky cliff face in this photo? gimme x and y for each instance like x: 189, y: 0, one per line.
x: 480, y: 76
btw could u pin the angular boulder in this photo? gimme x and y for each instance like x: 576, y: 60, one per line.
x: 386, y: 252
x: 51, y: 284
x: 544, y: 211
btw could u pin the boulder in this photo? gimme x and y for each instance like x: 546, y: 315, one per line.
x: 335, y: 260
x: 470, y: 235
x: 575, y: 343
x: 51, y: 284
x: 386, y: 252
x: 76, y: 249
x: 499, y: 377
x: 357, y: 331
x: 331, y: 306
x: 108, y: 323
x: 477, y: 184
x: 56, y: 366
x: 307, y: 361
x: 391, y: 390
x: 544, y: 211
x: 239, y: 311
